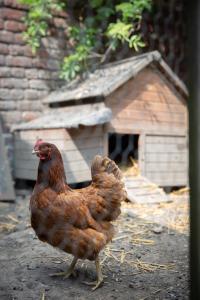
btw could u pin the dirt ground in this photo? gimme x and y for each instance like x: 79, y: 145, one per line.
x: 148, y: 258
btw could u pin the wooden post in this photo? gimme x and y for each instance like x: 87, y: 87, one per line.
x: 193, y: 42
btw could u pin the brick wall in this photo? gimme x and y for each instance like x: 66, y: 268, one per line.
x: 26, y: 78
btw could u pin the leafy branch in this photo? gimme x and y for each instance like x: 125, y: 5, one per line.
x: 101, y: 28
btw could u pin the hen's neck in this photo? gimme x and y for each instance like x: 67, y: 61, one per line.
x: 51, y: 174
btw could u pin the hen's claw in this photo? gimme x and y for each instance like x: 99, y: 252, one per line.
x: 69, y: 272
x: 66, y: 274
x: 99, y: 280
x: 96, y: 283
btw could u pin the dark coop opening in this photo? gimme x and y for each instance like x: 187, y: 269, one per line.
x: 123, y: 148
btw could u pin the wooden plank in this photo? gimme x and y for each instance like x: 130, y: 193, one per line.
x: 166, y: 148
x: 143, y: 191
x: 69, y: 165
x: 79, y: 176
x: 158, y: 117
x: 141, y: 152
x: 169, y: 167
x: 122, y: 126
x: 72, y: 155
x: 58, y: 134
x: 166, y: 157
x: 105, y: 140
x: 165, y: 139
x: 64, y: 145
x: 6, y: 183
x: 139, y: 104
x: 163, y: 179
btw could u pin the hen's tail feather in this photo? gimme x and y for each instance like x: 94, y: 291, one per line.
x: 106, y: 177
x: 102, y: 164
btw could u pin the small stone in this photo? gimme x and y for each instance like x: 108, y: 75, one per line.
x: 131, y: 285
x: 157, y: 229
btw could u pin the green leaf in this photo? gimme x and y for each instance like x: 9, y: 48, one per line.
x: 119, y: 31
x: 95, y: 3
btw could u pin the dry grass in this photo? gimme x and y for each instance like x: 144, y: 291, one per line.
x: 173, y: 214
x: 7, y: 227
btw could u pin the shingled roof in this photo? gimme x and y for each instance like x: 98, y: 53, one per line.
x: 69, y: 117
x: 108, y: 78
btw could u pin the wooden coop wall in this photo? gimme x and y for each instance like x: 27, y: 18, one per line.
x: 78, y: 147
x: 150, y: 106
x: 164, y: 159
x: 147, y: 103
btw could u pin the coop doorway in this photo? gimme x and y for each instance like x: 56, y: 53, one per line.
x: 124, y: 150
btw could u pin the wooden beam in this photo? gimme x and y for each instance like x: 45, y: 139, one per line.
x: 193, y: 42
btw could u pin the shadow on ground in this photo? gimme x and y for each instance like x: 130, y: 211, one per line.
x: 145, y: 261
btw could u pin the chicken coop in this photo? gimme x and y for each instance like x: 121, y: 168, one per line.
x: 79, y: 132
x: 149, y: 115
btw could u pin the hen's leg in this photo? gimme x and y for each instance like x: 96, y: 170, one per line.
x: 99, y: 280
x: 70, y: 270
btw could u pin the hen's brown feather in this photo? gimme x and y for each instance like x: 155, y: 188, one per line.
x: 76, y: 221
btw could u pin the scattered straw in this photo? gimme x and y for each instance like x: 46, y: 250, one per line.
x: 120, y: 237
x: 12, y: 218
x: 150, y: 267
x: 43, y: 296
x: 6, y: 227
x: 142, y: 242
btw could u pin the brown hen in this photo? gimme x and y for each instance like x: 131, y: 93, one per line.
x: 77, y: 221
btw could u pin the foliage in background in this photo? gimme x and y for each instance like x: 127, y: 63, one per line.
x: 99, y: 27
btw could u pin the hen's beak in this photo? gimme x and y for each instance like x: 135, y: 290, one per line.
x: 35, y: 151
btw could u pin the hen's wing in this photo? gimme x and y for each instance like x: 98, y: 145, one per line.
x: 107, y: 191
x: 64, y: 221
x: 69, y: 208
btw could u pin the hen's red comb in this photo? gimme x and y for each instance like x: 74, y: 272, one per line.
x: 39, y: 142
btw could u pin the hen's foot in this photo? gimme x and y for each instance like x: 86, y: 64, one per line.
x: 99, y: 280
x: 69, y: 272
x: 65, y: 275
x: 96, y: 283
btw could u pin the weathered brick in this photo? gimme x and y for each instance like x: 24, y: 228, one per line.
x: 6, y: 37
x: 39, y: 63
x: 30, y: 115
x: 5, y: 72
x: 1, y: 24
x: 17, y: 72
x: 19, y: 61
x: 8, y: 105
x: 3, y: 48
x: 11, y: 117
x: 12, y: 14
x: 17, y: 94
x: 53, y: 64
x: 50, y: 42
x: 43, y: 94
x: 31, y: 94
x: 20, y: 50
x: 38, y: 84
x: 26, y: 105
x: 10, y: 94
x: 55, y: 75
x: 18, y: 39
x: 2, y: 60
x: 14, y: 4
x: 44, y: 74
x: 32, y: 73
x: 12, y: 72
x: 13, y: 83
x: 14, y: 26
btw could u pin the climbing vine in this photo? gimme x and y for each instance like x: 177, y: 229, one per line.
x: 99, y: 28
